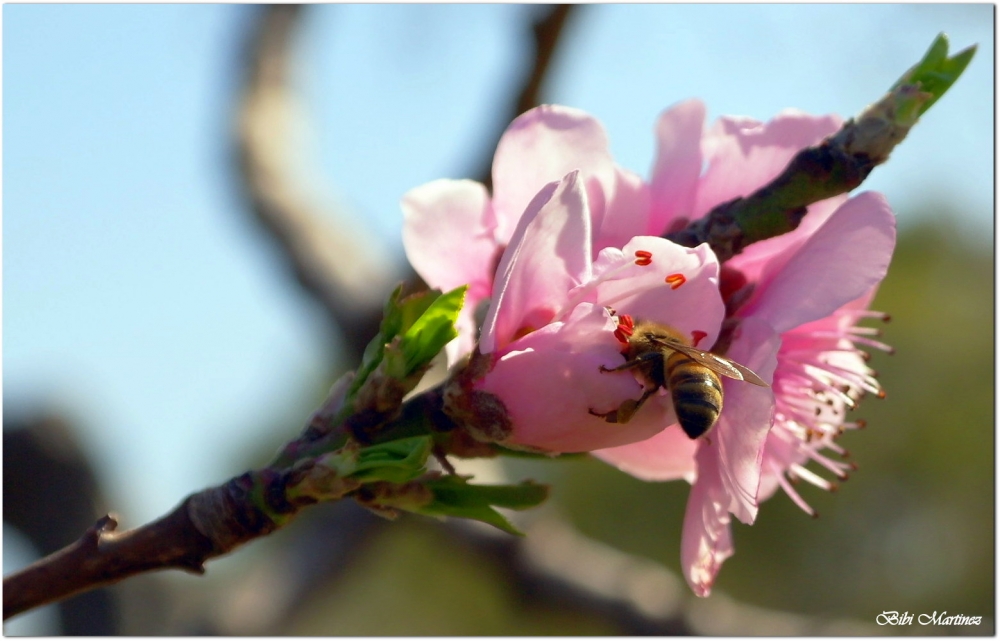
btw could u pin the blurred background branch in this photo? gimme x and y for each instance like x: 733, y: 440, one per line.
x: 336, y: 260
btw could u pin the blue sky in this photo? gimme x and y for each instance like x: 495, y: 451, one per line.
x: 141, y: 300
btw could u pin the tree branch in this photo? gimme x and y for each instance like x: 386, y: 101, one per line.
x: 215, y: 521
x: 837, y: 165
x: 333, y: 264
x: 51, y: 494
x: 205, y: 525
x: 102, y: 557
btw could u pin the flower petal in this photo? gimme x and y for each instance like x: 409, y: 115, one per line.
x: 678, y: 286
x: 542, y: 145
x: 845, y: 258
x: 706, y: 540
x: 666, y: 456
x: 746, y: 418
x: 448, y: 234
x: 674, y: 180
x: 551, y: 379
x: 743, y: 155
x: 752, y: 260
x: 548, y: 255
x: 627, y: 213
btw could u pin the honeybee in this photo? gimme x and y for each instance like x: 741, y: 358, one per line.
x: 664, y: 357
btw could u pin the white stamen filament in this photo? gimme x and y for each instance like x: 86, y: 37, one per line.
x: 839, y: 469
x: 790, y: 491
x: 811, y: 477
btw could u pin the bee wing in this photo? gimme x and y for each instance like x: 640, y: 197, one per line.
x: 718, y: 364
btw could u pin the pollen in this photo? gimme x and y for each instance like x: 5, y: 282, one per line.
x: 643, y: 258
x: 675, y: 280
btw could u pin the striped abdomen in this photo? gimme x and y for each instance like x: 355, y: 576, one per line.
x: 696, y: 392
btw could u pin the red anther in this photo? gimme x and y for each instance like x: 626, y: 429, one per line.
x: 697, y: 336
x: 675, y: 280
x: 624, y: 330
x: 881, y: 393
x: 643, y: 258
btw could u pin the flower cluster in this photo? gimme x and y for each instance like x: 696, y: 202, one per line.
x: 568, y: 250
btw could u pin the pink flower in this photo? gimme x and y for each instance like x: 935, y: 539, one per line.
x: 795, y: 299
x: 454, y: 233
x: 549, y: 327
x: 804, y: 287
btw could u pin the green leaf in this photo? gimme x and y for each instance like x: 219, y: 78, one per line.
x: 454, y: 496
x: 396, y: 461
x: 398, y: 316
x: 936, y: 72
x: 392, y: 315
x: 427, y: 335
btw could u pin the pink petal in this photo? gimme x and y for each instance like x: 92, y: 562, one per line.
x: 548, y: 255
x: 744, y: 155
x: 551, y: 378
x: 746, y: 418
x: 844, y: 259
x: 627, y: 213
x: 706, y: 540
x: 448, y: 234
x: 689, y: 301
x: 754, y: 258
x: 542, y: 145
x: 678, y: 163
x: 666, y: 456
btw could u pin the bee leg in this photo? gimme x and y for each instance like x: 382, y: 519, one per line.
x: 635, y: 362
x: 624, y: 412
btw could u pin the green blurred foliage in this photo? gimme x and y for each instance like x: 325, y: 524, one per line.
x: 417, y: 582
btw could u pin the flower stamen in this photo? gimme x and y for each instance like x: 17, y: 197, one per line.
x: 822, y: 373
x: 625, y: 328
x: 675, y: 280
x: 790, y: 491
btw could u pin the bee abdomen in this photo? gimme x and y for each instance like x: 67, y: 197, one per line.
x: 696, y: 392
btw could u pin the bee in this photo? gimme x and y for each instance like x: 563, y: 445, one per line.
x: 663, y: 357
